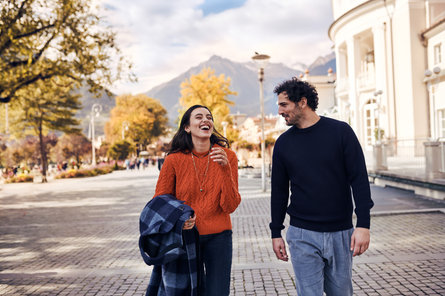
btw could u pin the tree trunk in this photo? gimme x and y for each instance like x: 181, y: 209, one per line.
x: 43, y: 156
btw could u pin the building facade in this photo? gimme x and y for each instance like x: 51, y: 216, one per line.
x: 383, y: 48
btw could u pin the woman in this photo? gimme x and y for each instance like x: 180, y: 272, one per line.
x: 200, y: 170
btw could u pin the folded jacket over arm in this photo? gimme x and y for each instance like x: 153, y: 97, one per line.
x: 172, y: 251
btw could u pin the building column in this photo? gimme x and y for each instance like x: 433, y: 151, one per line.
x: 381, y: 77
x: 353, y: 71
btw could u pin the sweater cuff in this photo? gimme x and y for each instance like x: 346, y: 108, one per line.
x: 276, y: 233
x: 276, y: 230
x: 363, y: 221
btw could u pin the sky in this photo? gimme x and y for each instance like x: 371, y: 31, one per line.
x: 163, y: 39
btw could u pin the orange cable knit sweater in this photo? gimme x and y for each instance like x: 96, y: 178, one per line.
x: 220, y: 196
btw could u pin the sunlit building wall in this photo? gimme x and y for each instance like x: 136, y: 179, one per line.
x: 381, y: 57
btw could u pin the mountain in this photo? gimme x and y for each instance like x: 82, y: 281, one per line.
x: 244, y: 80
x: 322, y: 64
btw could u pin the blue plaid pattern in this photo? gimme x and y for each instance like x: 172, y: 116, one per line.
x: 172, y: 251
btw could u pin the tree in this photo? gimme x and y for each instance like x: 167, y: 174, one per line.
x: 146, y: 118
x: 120, y: 150
x: 232, y: 135
x: 269, y: 144
x: 103, y: 150
x: 50, y: 107
x: 43, y: 39
x: 209, y: 90
x: 73, y: 145
x: 3, y: 148
x: 26, y: 151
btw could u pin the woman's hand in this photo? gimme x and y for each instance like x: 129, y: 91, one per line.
x: 219, y: 155
x: 190, y: 223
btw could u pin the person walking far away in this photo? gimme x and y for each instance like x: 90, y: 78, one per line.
x: 201, y: 170
x: 322, y: 160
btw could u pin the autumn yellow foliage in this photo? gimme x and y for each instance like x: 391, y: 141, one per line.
x: 145, y: 118
x: 205, y: 88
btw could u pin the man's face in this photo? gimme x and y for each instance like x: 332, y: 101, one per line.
x: 291, y: 111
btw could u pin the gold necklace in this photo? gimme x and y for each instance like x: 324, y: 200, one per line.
x: 201, y: 183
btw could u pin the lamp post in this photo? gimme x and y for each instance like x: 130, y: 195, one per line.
x: 378, y: 94
x: 224, y: 124
x: 95, y: 110
x: 428, y: 75
x: 125, y: 126
x: 261, y: 60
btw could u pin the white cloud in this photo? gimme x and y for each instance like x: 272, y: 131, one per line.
x: 166, y: 38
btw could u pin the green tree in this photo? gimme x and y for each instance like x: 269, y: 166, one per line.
x: 146, y: 119
x: 50, y: 107
x: 205, y: 88
x: 43, y: 39
x: 120, y: 150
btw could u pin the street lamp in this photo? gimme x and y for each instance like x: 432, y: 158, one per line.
x: 224, y: 124
x: 125, y: 126
x: 428, y: 76
x: 378, y: 94
x: 261, y: 61
x: 95, y: 110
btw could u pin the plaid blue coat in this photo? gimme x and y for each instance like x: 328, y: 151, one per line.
x: 172, y: 251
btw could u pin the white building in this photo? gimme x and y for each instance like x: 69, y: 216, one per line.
x: 325, y: 86
x: 383, y: 48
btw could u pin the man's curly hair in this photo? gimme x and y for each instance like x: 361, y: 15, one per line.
x: 297, y: 89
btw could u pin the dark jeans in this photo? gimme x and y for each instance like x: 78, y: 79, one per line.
x: 216, y: 256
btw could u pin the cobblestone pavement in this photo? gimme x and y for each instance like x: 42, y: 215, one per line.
x: 79, y: 237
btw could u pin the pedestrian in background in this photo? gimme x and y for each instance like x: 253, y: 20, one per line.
x: 322, y: 160
x: 201, y: 170
x: 161, y: 161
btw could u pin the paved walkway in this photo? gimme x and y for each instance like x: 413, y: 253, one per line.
x: 79, y: 237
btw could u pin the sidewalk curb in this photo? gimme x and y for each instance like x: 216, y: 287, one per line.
x: 434, y: 188
x: 404, y: 212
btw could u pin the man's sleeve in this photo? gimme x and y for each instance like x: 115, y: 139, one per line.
x: 280, y: 193
x: 358, y: 177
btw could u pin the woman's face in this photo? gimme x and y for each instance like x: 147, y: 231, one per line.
x: 201, y: 123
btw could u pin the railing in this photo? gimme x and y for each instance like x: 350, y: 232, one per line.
x: 406, y: 154
x: 366, y: 80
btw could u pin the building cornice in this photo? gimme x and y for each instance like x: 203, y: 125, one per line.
x: 357, y: 10
x: 431, y: 31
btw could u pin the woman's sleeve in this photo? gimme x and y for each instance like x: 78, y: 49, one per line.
x: 230, y: 197
x: 167, y: 178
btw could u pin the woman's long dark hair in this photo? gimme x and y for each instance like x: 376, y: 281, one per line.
x: 182, y: 141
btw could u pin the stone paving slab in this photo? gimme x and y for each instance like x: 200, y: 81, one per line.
x: 79, y: 237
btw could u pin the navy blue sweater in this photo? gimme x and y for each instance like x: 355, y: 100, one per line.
x: 322, y: 163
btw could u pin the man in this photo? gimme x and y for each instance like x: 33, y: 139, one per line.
x: 322, y: 160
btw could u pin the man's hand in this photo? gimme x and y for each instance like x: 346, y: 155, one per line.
x: 360, y: 240
x: 279, y: 247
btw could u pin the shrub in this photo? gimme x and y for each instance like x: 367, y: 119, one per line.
x: 98, y: 170
x: 21, y: 178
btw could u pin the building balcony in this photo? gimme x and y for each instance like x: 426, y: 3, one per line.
x: 365, y: 80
